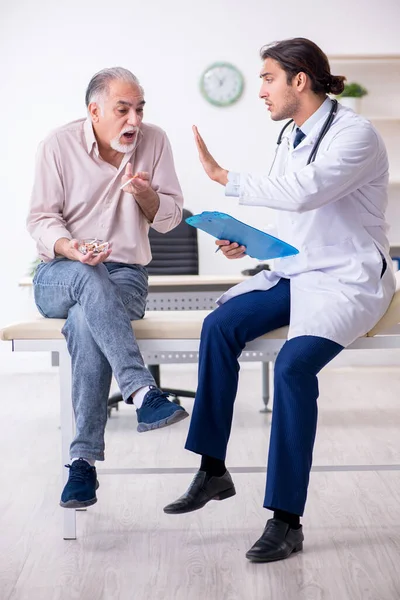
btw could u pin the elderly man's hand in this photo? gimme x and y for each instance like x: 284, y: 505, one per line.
x: 231, y: 250
x: 69, y: 249
x: 140, y: 183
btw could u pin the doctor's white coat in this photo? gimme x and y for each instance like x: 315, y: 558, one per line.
x: 333, y: 211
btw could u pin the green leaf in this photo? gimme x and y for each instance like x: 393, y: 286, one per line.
x: 353, y: 90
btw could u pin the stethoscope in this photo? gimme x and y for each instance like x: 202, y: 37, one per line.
x: 323, y: 132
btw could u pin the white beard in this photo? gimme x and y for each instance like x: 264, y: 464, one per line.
x: 125, y: 148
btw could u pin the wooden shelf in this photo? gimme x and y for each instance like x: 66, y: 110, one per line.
x: 381, y: 118
x: 376, y: 58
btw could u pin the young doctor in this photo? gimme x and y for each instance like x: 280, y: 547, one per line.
x: 329, y: 184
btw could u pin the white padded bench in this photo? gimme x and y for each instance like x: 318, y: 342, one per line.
x: 168, y: 337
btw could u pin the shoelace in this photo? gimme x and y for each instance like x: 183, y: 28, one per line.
x: 79, y: 472
x: 157, y: 399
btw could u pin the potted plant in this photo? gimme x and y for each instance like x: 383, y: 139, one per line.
x: 32, y: 267
x: 351, y: 96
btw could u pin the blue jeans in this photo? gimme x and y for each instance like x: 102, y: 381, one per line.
x: 99, y: 304
x: 294, y: 419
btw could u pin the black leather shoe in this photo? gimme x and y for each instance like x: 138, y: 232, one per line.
x: 278, y: 541
x: 201, y: 491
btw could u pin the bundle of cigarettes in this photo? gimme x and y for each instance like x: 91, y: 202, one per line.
x: 93, y: 245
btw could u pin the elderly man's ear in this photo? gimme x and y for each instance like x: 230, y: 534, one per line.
x: 94, y: 111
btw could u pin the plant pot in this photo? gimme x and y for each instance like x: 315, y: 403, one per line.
x: 353, y: 103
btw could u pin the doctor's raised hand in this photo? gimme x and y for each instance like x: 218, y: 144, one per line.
x: 210, y: 165
x: 220, y: 175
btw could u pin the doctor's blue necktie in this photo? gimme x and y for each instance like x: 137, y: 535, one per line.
x: 298, y: 137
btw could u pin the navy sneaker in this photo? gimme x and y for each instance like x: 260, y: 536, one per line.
x: 80, y: 489
x: 157, y: 411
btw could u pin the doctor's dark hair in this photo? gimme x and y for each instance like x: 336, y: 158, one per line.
x: 299, y: 55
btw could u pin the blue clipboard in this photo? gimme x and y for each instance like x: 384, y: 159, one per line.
x: 258, y: 244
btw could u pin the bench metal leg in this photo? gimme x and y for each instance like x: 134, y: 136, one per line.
x: 67, y: 434
x: 55, y: 359
x: 267, y: 375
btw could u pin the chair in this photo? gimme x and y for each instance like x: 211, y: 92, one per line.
x: 173, y: 253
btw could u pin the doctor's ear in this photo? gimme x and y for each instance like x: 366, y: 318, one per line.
x: 300, y: 81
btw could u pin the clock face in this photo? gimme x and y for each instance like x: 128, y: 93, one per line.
x: 221, y: 84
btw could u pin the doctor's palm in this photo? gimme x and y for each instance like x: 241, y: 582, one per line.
x: 210, y: 165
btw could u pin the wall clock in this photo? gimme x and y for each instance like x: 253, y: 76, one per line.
x: 221, y: 84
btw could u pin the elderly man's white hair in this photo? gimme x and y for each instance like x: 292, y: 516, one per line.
x: 98, y: 87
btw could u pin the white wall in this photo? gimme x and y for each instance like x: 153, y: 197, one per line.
x: 50, y: 49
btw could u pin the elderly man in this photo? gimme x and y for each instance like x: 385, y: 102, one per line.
x: 85, y: 187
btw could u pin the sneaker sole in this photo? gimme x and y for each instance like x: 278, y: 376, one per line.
x: 77, y: 503
x: 177, y: 416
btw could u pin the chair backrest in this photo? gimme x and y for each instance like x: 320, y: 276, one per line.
x: 175, y: 252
